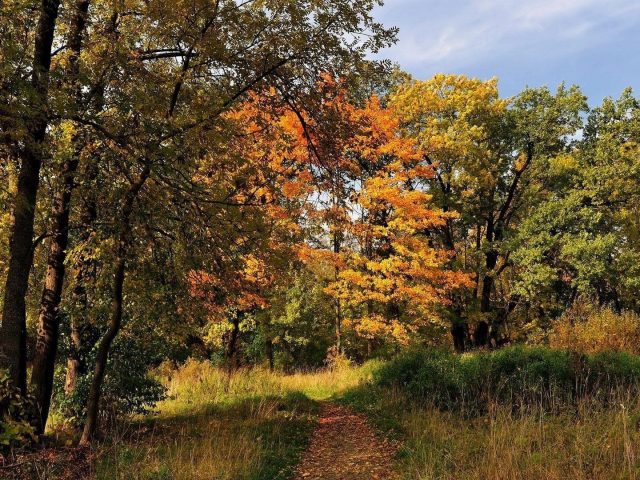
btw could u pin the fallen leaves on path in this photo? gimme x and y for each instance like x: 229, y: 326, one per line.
x: 49, y: 463
x: 344, y: 447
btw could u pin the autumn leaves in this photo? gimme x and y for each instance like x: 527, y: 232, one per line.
x: 352, y: 187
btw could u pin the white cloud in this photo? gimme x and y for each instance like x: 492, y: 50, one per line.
x: 450, y: 34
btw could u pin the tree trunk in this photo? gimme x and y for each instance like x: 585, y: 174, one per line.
x: 13, y: 333
x: 48, y: 322
x: 481, y: 335
x: 269, y: 351
x: 49, y: 319
x: 93, y: 402
x: 232, y: 345
x: 338, y: 327
x: 338, y: 307
x: 124, y: 241
x: 459, y: 335
x: 500, y: 320
x: 75, y: 362
x: 84, y: 274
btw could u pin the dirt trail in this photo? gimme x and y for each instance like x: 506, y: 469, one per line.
x: 344, y: 447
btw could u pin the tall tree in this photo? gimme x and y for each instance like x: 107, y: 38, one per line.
x: 394, y: 280
x: 485, y: 152
x: 180, y: 70
x: 13, y: 334
x: 581, y: 237
x: 48, y: 322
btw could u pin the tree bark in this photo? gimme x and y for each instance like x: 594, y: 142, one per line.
x: 481, y: 334
x: 232, y: 345
x: 49, y: 319
x: 338, y: 306
x: 84, y: 273
x: 13, y: 333
x: 459, y: 336
x: 269, y: 351
x: 124, y: 241
x: 75, y: 363
x: 501, y: 318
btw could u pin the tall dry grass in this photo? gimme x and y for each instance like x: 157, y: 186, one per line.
x: 593, y: 443
x: 518, y: 413
x: 254, y: 423
x: 589, y: 440
x: 589, y: 328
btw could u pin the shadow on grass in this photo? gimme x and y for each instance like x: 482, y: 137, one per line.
x: 257, y: 438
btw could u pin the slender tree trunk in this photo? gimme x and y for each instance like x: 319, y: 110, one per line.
x: 338, y: 327
x: 459, y: 336
x: 93, y: 402
x: 75, y: 363
x: 459, y: 327
x: 481, y: 335
x: 269, y: 351
x: 500, y: 320
x: 48, y: 322
x: 338, y: 306
x: 13, y: 333
x: 84, y: 274
x: 49, y: 319
x: 124, y: 241
x: 232, y: 345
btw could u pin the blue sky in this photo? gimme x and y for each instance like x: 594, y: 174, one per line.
x: 592, y: 43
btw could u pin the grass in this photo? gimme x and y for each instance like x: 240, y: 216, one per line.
x: 590, y: 442
x: 591, y: 445
x: 250, y: 425
x: 517, y: 377
x: 589, y: 435
x: 255, y: 423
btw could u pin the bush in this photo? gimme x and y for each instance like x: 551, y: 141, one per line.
x: 588, y: 328
x: 127, y: 387
x: 517, y: 376
x: 16, y: 415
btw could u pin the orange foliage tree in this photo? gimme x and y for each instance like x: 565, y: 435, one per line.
x: 394, y: 280
x: 252, y: 216
x: 368, y: 213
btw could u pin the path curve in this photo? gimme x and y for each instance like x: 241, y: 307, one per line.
x: 344, y: 447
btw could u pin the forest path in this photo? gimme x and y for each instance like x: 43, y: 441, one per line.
x: 344, y: 447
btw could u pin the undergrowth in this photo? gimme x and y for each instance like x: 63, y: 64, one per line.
x: 514, y: 376
x: 496, y: 415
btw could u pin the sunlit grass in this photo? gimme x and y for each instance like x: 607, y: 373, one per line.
x: 254, y: 424
x: 592, y: 444
x: 251, y: 424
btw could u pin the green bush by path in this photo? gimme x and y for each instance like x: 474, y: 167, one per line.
x: 517, y: 376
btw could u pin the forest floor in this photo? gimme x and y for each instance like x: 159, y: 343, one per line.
x: 344, y: 447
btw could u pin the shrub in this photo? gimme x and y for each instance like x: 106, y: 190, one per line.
x: 588, y: 328
x: 127, y: 388
x: 16, y: 415
x: 518, y: 376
